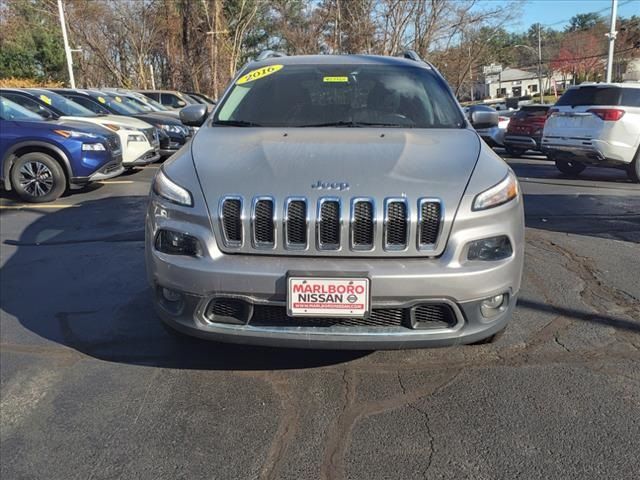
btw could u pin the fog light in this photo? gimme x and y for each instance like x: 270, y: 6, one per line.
x: 492, y: 306
x: 176, y: 243
x: 493, y: 248
x: 171, y: 295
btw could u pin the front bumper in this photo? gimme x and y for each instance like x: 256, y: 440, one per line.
x: 587, y: 150
x: 396, y: 283
x: 145, y: 159
x: 110, y: 170
x: 522, y: 141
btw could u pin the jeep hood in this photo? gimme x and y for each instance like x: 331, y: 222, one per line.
x: 376, y: 163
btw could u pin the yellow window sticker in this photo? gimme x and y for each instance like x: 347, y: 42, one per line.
x: 335, y: 79
x: 254, y: 75
x: 45, y: 99
x: 102, y: 100
x: 118, y: 99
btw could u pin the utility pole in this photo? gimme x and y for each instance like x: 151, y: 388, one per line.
x: 470, y: 74
x: 612, y: 38
x: 540, y: 66
x: 67, y: 49
x: 153, y: 78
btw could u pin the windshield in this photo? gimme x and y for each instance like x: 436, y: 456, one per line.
x: 117, y: 104
x: 64, y: 105
x: 12, y: 111
x: 339, y: 95
x: 138, y: 105
x: 575, y: 97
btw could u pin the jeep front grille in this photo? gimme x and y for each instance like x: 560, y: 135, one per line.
x: 296, y: 226
x: 429, y: 222
x: 396, y: 225
x: 330, y: 224
x: 231, y: 220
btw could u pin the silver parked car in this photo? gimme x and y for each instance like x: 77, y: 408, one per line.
x: 336, y: 202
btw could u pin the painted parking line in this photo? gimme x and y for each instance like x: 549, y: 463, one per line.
x: 37, y: 205
x: 115, y: 182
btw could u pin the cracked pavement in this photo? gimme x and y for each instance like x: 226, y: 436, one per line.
x: 93, y: 387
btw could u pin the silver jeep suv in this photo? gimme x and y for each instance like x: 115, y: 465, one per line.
x: 336, y: 202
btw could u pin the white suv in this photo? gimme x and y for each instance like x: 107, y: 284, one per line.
x: 595, y: 124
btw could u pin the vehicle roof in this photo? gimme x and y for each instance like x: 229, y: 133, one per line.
x: 603, y: 84
x: 339, y: 60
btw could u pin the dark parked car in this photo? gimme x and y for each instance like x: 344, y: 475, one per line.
x: 202, y: 98
x: 525, y: 129
x: 40, y: 159
x: 170, y: 98
x: 172, y: 134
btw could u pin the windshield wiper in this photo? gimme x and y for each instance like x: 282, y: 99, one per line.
x: 236, y: 123
x: 340, y: 123
x: 343, y: 123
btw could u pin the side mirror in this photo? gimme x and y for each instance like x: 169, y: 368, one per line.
x: 484, y: 119
x: 193, y: 115
x: 180, y: 104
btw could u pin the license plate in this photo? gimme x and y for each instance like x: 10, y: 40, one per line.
x: 327, y: 297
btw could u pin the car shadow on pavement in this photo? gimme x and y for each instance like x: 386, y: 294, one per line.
x: 600, y: 319
x: 76, y: 276
x: 603, y: 216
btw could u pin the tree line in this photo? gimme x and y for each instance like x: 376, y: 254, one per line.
x: 200, y: 44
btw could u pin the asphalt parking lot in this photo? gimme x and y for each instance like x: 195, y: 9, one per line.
x: 93, y: 387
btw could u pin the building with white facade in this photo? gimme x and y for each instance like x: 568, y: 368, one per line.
x: 513, y: 82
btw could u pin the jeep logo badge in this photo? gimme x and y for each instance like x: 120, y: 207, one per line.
x: 320, y: 185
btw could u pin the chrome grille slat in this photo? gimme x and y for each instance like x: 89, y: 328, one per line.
x: 429, y: 222
x: 296, y: 224
x: 329, y: 223
x: 264, y: 222
x: 231, y: 221
x: 362, y: 224
x: 396, y: 235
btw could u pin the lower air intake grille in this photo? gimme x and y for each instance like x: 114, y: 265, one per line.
x: 274, y: 316
x: 296, y: 227
x: 231, y: 221
x: 228, y: 310
x: 432, y: 316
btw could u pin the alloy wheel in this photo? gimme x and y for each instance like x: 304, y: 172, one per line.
x: 36, y: 179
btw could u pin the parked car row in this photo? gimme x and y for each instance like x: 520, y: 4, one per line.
x: 55, y: 139
x: 592, y: 124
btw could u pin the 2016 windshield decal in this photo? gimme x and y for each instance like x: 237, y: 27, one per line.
x: 254, y: 75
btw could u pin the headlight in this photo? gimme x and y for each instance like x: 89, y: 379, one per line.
x: 74, y: 134
x: 136, y: 137
x: 505, y: 191
x: 170, y: 190
x: 93, y: 147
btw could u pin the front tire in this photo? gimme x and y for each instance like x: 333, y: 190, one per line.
x: 37, y: 178
x: 633, y: 171
x: 569, y: 167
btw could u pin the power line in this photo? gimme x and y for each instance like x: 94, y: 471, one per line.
x: 622, y: 4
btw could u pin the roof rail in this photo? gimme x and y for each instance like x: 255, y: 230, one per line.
x: 269, y: 54
x: 412, y: 55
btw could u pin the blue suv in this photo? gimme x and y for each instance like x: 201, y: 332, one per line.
x: 40, y: 159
